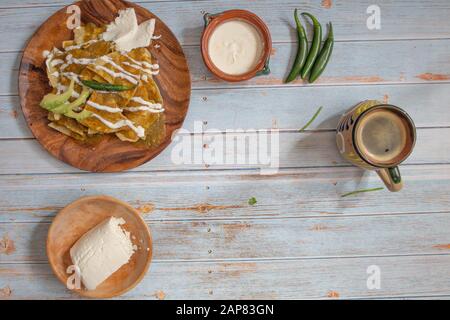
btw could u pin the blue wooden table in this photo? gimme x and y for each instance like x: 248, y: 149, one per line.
x: 301, y: 239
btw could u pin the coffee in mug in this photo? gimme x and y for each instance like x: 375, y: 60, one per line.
x: 377, y: 136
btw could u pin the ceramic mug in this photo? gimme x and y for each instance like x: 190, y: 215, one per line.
x: 377, y: 136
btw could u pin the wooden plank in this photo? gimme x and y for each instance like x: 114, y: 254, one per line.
x: 352, y: 64
x: 12, y: 121
x: 279, y: 238
x: 296, y: 150
x: 224, y: 194
x: 286, y: 108
x: 399, y: 19
x: 288, y: 279
x: 58, y: 3
x: 9, y: 68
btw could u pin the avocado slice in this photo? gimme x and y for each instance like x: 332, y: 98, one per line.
x: 78, y: 115
x: 52, y: 101
x: 67, y: 108
x: 63, y: 108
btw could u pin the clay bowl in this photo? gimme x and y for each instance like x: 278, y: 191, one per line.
x: 82, y: 215
x: 212, y: 21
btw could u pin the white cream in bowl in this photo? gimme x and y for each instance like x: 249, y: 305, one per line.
x: 235, y: 47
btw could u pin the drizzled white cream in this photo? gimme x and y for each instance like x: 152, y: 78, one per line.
x: 146, y: 106
x: 103, y: 107
x: 137, y: 67
x: 118, y: 67
x: 83, y: 61
x: 61, y: 88
x: 56, y: 62
x: 141, y: 63
x: 143, y: 108
x: 122, y: 123
x: 146, y: 103
x: 117, y: 74
x: 79, y: 46
x: 72, y: 75
x: 127, y: 38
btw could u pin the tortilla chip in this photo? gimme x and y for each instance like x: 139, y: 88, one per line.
x: 87, y: 32
x: 111, y: 100
x: 68, y: 126
x: 133, y: 69
x: 114, y: 63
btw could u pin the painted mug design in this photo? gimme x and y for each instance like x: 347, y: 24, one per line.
x: 349, y: 144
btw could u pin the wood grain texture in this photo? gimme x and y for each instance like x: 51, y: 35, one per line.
x: 56, y: 3
x: 405, y: 63
x: 203, y: 195
x: 109, y: 154
x: 279, y: 238
x: 353, y: 63
x: 296, y: 150
x: 219, y: 109
x: 399, y: 19
x: 407, y: 276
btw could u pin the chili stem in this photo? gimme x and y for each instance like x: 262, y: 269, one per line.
x: 311, y: 120
x: 361, y: 191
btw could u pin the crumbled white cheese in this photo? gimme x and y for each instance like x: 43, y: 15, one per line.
x: 127, y: 34
x: 102, y: 251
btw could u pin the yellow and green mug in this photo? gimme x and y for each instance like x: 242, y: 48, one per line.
x: 377, y: 136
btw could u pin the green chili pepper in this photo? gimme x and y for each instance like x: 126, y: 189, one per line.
x: 311, y: 120
x: 315, y: 46
x: 324, y: 57
x: 361, y: 191
x: 301, y: 52
x: 105, y: 86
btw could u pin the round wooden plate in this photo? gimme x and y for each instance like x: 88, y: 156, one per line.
x: 109, y: 154
x: 81, y: 216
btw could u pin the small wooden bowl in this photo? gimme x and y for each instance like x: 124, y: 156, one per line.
x: 214, y: 20
x: 82, y: 215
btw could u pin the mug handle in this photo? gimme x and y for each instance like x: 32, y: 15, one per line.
x: 391, y: 178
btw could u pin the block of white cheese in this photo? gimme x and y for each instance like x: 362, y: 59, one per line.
x: 102, y: 251
x: 127, y: 34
